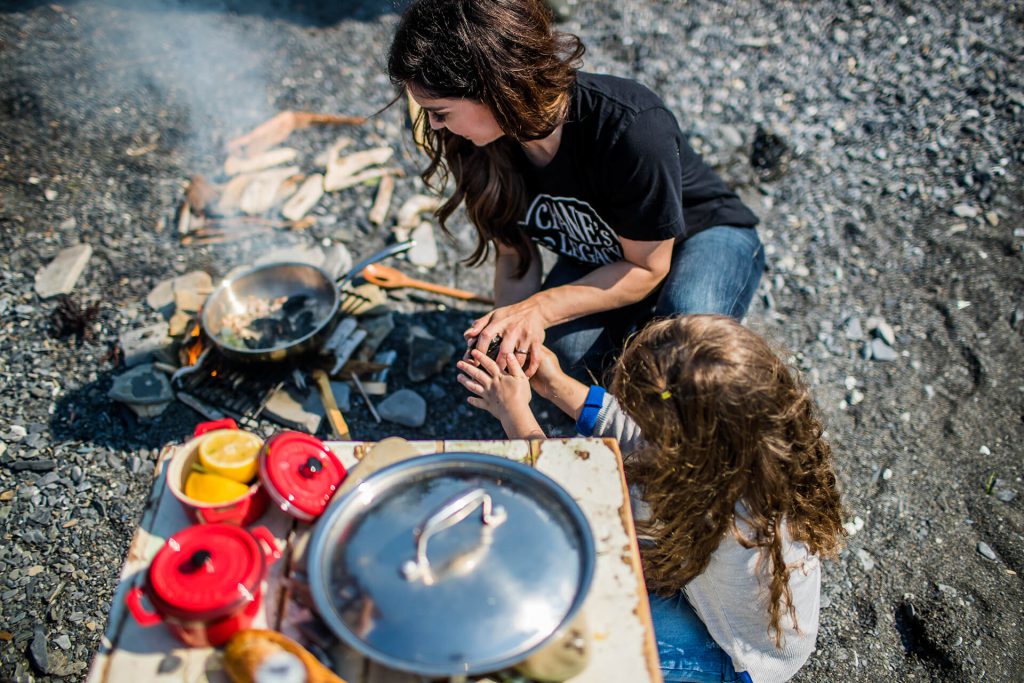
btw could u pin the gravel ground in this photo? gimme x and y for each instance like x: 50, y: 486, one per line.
x: 893, y: 227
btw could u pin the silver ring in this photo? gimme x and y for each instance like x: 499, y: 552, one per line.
x: 522, y: 351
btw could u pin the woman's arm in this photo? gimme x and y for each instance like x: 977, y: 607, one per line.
x: 509, y: 289
x: 644, y: 266
x: 522, y: 324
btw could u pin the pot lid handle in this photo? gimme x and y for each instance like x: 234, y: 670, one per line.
x: 446, y: 515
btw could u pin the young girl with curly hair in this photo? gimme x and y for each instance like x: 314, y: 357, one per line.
x: 738, y: 497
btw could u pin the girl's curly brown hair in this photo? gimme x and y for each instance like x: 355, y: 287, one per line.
x: 506, y: 55
x: 725, y: 420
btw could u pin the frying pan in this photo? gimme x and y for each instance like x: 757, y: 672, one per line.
x: 307, y: 288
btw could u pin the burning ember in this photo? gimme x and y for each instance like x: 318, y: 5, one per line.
x: 192, y: 345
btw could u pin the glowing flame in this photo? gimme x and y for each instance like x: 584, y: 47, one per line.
x: 192, y: 345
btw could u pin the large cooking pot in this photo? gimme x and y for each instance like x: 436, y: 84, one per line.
x: 454, y: 565
x: 293, y: 305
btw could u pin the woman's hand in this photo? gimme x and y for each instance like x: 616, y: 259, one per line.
x: 505, y: 395
x: 521, y: 328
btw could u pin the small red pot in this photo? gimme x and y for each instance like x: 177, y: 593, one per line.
x: 206, y: 582
x: 299, y: 473
x: 241, y: 511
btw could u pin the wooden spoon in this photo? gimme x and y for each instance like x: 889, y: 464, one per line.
x: 391, y: 278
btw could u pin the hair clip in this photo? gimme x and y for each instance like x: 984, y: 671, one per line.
x: 665, y: 395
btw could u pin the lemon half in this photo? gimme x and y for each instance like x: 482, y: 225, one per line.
x: 231, y: 453
x: 213, y: 488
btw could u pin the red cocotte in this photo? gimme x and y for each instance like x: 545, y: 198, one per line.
x: 299, y: 473
x: 206, y: 582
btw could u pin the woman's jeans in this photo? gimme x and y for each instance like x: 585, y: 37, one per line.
x: 685, y: 647
x: 715, y: 271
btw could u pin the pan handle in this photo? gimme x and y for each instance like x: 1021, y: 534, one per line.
x: 387, y: 252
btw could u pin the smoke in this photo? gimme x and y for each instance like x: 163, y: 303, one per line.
x: 199, y: 63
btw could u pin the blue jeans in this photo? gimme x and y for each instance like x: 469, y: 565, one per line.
x: 685, y: 647
x: 715, y: 271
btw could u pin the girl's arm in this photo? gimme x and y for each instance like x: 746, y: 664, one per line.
x: 505, y: 395
x: 604, y: 416
x: 522, y: 324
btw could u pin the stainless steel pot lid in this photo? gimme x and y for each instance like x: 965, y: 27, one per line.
x: 451, y: 564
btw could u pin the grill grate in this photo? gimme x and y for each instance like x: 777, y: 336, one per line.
x: 238, y: 390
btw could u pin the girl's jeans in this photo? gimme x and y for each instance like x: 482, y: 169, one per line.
x: 715, y: 271
x: 685, y: 647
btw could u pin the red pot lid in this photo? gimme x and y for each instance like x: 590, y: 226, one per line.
x: 300, y: 473
x: 206, y: 571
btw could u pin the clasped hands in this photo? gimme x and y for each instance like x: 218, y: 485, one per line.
x: 502, y: 386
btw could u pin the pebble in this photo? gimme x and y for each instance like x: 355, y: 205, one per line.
x: 881, y: 351
x: 880, y: 328
x: 404, y: 407
x: 853, y: 330
x: 965, y: 211
x: 985, y: 551
x: 1005, y: 495
x: 37, y: 651
x: 867, y: 563
x: 428, y: 355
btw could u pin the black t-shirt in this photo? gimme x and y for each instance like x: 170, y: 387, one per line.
x: 623, y: 167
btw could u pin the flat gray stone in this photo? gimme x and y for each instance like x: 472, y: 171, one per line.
x: 143, y: 384
x: 296, y: 409
x: 986, y: 551
x: 342, y: 395
x: 853, y: 331
x: 61, y: 274
x: 882, y: 351
x: 145, y: 344
x: 161, y: 298
x: 877, y: 326
x: 404, y: 407
x: 424, y: 252
x: 867, y: 563
x: 428, y: 355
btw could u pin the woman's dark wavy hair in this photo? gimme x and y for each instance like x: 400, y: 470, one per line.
x: 506, y: 55
x: 735, y: 424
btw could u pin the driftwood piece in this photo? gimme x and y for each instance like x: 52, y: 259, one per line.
x: 409, y: 212
x: 262, y: 192
x: 340, y: 168
x: 307, y: 196
x: 325, y: 156
x: 382, y: 202
x: 231, y: 194
x: 280, y: 126
x: 269, y: 159
x: 201, y: 194
x: 368, y: 174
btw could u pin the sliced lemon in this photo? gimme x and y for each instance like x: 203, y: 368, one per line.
x: 230, y: 453
x: 213, y: 488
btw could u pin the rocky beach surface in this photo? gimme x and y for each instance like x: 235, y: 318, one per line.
x: 880, y: 143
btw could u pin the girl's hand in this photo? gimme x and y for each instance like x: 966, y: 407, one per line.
x: 505, y: 395
x: 521, y: 327
x: 549, y: 375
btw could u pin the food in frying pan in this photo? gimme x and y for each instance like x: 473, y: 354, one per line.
x: 264, y: 324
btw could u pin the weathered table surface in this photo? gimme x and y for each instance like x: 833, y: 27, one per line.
x: 617, y: 612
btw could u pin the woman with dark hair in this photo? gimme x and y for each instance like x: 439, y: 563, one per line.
x: 591, y: 167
